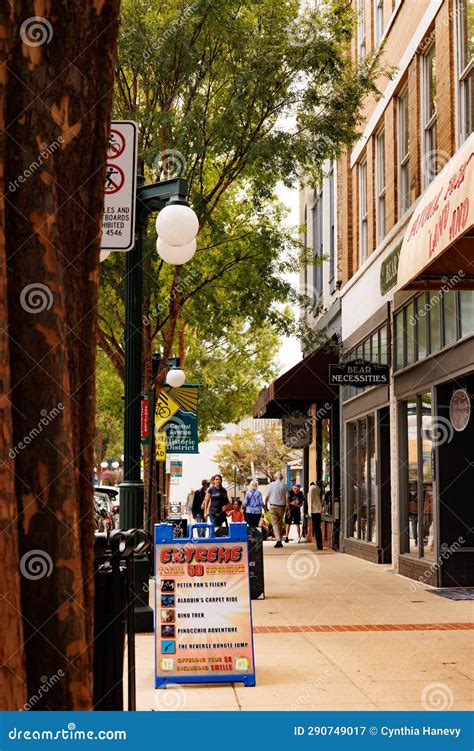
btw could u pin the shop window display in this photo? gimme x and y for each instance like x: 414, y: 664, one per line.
x: 418, y: 534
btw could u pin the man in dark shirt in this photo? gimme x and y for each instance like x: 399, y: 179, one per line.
x: 198, y: 502
x: 216, y: 502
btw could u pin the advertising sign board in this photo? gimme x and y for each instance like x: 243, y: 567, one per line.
x: 203, y: 617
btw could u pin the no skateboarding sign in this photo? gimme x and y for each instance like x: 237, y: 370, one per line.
x: 118, y: 226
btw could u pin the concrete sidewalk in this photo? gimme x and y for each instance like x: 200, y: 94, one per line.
x: 338, y: 633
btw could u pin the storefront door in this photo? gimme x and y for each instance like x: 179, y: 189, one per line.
x: 455, y: 467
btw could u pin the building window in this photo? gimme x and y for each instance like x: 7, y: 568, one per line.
x: 362, y: 490
x: 304, y: 290
x: 430, y: 157
x: 318, y: 246
x: 332, y: 227
x: 465, y: 50
x: 417, y: 531
x: 429, y: 322
x: 403, y: 155
x: 361, y: 29
x: 380, y: 184
x: 363, y: 231
x: 378, y: 21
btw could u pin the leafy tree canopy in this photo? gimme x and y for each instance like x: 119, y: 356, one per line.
x: 236, y: 98
x: 253, y: 453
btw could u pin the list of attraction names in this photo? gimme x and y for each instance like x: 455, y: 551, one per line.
x: 203, y: 610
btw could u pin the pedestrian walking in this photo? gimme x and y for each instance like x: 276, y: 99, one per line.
x: 189, y: 503
x: 216, y: 502
x: 277, y: 501
x: 253, y: 504
x: 197, y: 509
x: 293, y: 514
x: 315, y: 509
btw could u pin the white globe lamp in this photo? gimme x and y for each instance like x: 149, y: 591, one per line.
x: 177, y: 224
x: 175, y: 378
x: 176, y: 255
x: 104, y: 465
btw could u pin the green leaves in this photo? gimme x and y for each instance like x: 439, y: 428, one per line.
x: 236, y: 97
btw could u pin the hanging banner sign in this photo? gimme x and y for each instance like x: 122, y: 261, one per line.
x: 177, y: 416
x: 145, y: 419
x: 203, y: 616
x: 296, y: 430
x: 118, y: 224
x: 359, y: 373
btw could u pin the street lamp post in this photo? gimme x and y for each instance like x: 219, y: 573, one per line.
x: 178, y: 229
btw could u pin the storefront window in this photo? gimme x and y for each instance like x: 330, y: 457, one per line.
x: 418, y: 534
x: 362, y: 482
x: 399, y: 343
x: 353, y: 488
x: 412, y: 477
x: 421, y: 326
x: 410, y: 327
x: 383, y: 353
x: 449, y: 312
x: 467, y: 312
x: 427, y: 542
x: 374, y: 343
x: 372, y: 527
x: 434, y: 319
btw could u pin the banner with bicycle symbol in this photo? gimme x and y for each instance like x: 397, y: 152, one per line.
x: 177, y: 417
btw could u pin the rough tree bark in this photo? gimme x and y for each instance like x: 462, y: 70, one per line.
x: 57, y: 99
x: 13, y: 692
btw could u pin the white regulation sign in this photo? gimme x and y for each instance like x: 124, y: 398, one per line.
x: 118, y: 226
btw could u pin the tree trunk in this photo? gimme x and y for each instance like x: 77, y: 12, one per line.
x: 13, y: 692
x: 57, y: 106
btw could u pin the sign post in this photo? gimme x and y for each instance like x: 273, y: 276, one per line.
x: 118, y: 225
x: 203, y: 616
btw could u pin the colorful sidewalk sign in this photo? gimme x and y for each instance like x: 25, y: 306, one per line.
x: 118, y: 224
x: 203, y: 615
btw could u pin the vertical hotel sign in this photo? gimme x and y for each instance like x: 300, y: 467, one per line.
x: 203, y: 621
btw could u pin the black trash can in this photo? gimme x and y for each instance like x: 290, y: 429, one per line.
x: 256, y: 570
x: 110, y: 622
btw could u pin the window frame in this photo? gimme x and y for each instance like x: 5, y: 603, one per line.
x: 318, y: 243
x: 380, y: 186
x: 332, y: 227
x: 403, y: 120
x: 361, y: 31
x: 379, y: 23
x: 363, y: 216
x: 464, y: 70
x: 428, y: 119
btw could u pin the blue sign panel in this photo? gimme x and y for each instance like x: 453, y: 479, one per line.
x: 203, y: 616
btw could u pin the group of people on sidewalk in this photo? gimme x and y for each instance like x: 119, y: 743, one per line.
x: 282, y: 505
